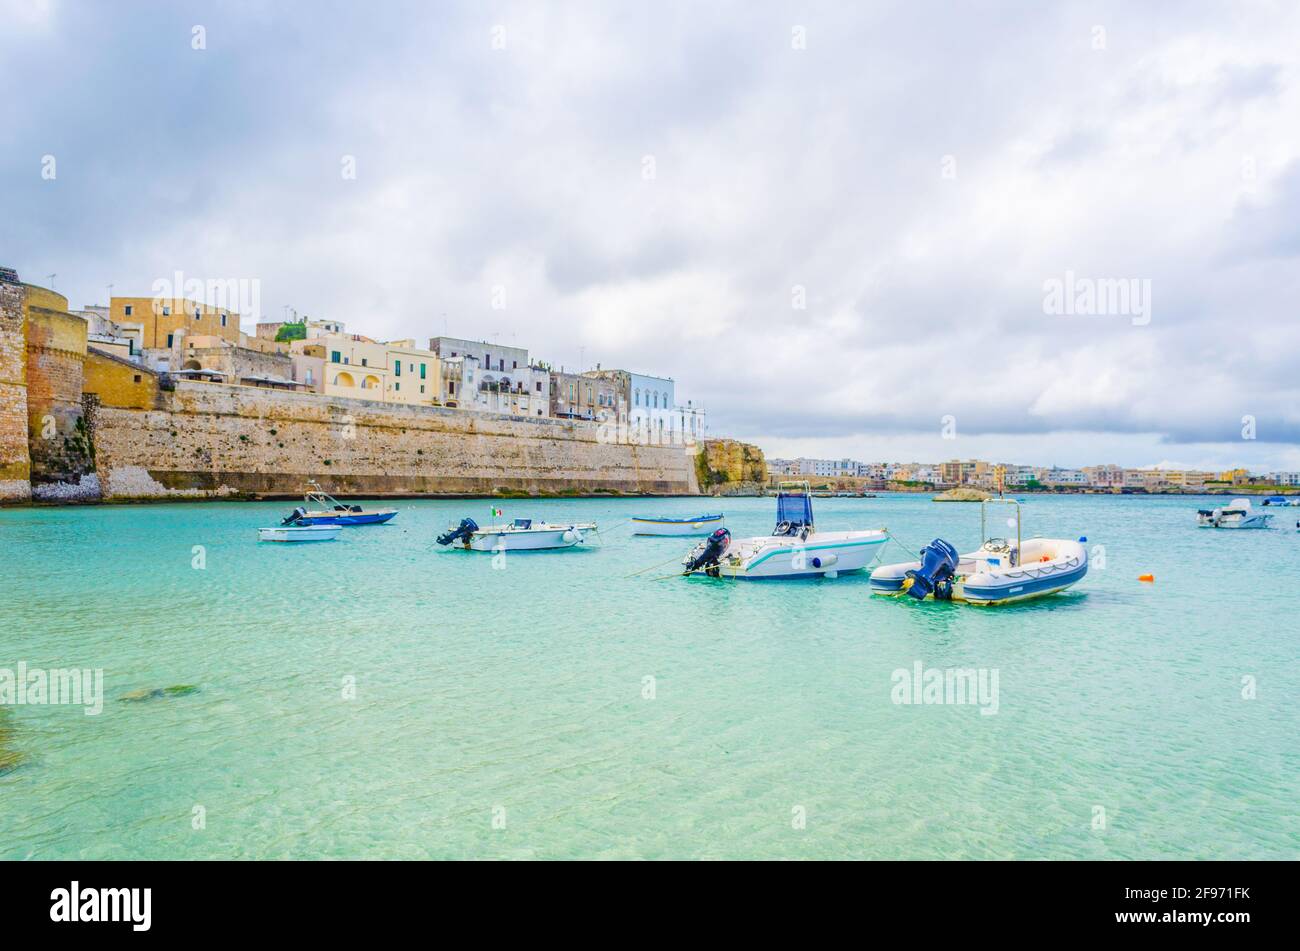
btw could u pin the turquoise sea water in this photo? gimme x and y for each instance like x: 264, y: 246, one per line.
x: 504, y: 713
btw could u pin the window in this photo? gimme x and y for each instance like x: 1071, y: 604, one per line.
x: 128, y: 310
x: 167, y: 311
x: 196, y: 313
x: 309, y: 377
x: 487, y: 360
x: 137, y: 378
x: 365, y: 361
x: 169, y: 340
x: 397, y: 368
x: 515, y: 364
x: 336, y: 357
x: 451, y: 387
x: 422, y: 369
x: 397, y: 386
x: 223, y: 320
x: 538, y: 385
x: 421, y: 387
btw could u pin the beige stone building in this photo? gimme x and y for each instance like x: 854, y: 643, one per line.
x: 161, y: 319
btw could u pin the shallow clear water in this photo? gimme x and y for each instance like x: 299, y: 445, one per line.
x: 502, y: 713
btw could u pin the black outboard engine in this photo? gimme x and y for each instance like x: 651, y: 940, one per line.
x: 707, y: 555
x: 293, y: 516
x: 938, y: 565
x: 466, y: 528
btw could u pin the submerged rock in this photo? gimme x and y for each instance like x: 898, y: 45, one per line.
x: 10, y: 759
x: 156, y: 693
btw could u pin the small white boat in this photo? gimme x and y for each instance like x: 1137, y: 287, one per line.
x: 523, y: 534
x: 1237, y: 514
x: 299, y: 533
x: 795, y: 549
x: 997, y: 573
x: 694, y: 525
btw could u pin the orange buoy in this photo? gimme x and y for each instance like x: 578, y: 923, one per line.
x: 1146, y: 577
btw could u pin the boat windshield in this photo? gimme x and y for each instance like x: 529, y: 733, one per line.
x: 793, y: 508
x: 523, y: 523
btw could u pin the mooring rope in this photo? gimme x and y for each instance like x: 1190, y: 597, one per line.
x: 677, y: 557
x: 914, y: 552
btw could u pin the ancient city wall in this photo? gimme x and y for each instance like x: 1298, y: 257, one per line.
x: 15, y: 463
x: 204, y: 439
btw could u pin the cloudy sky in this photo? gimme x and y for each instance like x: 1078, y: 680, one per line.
x: 833, y: 224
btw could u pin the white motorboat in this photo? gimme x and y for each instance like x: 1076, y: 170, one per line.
x: 299, y: 533
x: 1237, y: 514
x: 795, y: 549
x: 522, y: 534
x: 692, y: 525
x: 997, y: 573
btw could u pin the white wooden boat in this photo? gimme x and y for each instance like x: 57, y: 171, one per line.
x: 998, y: 572
x: 1237, y: 514
x: 299, y: 533
x: 691, y: 525
x: 795, y: 549
x: 522, y: 534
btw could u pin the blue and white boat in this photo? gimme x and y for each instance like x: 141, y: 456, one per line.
x: 1236, y: 514
x: 692, y: 525
x: 795, y: 549
x: 330, y: 511
x: 998, y: 572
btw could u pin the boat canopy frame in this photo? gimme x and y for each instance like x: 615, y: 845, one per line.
x: 315, y: 495
x: 984, y: 504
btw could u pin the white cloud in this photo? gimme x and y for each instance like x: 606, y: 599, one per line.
x: 1172, y: 155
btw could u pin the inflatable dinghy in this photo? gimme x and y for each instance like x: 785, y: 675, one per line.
x: 999, y: 572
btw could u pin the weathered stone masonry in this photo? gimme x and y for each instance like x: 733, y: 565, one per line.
x: 15, y: 463
x: 204, y: 439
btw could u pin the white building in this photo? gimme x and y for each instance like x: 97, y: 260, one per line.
x: 122, y: 339
x: 492, y: 378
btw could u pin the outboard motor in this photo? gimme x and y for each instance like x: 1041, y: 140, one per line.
x: 708, y: 554
x: 466, y: 528
x: 938, y: 565
x: 293, y: 516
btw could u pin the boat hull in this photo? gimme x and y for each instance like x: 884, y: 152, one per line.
x: 1250, y: 521
x: 348, y: 518
x: 542, y: 538
x: 820, y: 556
x: 299, y: 533
x: 675, y: 527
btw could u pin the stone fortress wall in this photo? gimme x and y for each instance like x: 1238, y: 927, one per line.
x: 79, y: 424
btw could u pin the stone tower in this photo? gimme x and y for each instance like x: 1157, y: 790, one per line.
x: 58, y: 442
